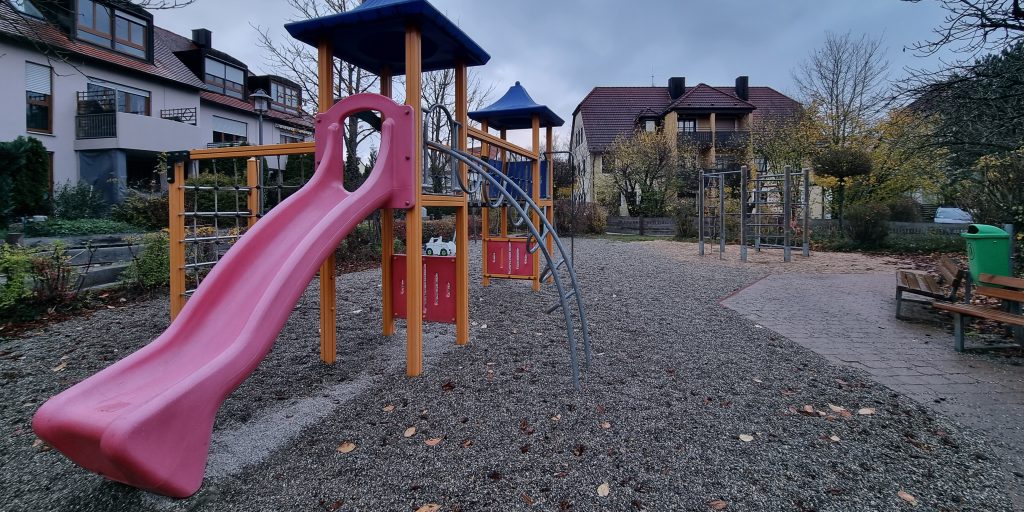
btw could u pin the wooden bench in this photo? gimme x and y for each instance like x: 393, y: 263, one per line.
x: 950, y: 274
x: 1009, y: 290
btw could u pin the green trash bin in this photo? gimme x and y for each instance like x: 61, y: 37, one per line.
x: 988, y: 250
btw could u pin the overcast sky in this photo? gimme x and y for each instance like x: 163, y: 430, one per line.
x: 561, y: 49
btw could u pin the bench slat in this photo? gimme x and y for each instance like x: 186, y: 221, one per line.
x: 948, y: 269
x: 1011, y: 282
x: 1000, y: 293
x: 982, y: 312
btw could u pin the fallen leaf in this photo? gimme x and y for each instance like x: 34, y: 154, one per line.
x: 356, y: 312
x: 433, y: 441
x: 836, y: 408
x: 527, y: 499
x: 605, y: 425
x: 746, y: 438
x: 447, y: 386
x: 389, y: 408
x: 907, y: 497
x: 346, y: 447
x: 429, y: 507
x: 718, y: 505
x: 834, y: 439
x: 60, y: 367
x: 867, y: 411
x: 467, y: 443
x: 556, y: 417
x: 409, y: 432
x: 603, y: 490
x: 759, y: 381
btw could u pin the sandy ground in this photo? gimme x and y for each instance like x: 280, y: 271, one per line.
x: 770, y: 261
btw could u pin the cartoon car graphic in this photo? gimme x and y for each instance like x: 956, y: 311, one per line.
x: 437, y: 246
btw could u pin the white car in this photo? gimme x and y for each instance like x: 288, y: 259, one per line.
x: 438, y: 247
x: 950, y: 215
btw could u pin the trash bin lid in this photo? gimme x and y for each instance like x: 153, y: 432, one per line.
x: 984, y: 231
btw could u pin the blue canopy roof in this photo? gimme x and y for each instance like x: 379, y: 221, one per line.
x: 515, y: 110
x: 372, y: 36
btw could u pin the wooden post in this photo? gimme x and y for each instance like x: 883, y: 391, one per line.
x: 413, y: 216
x: 485, y: 213
x: 176, y: 214
x: 387, y: 242
x: 536, y: 196
x: 462, y: 213
x: 328, y: 283
x: 252, y: 180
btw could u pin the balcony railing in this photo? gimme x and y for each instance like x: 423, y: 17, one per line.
x: 731, y: 138
x: 96, y: 126
x: 722, y: 138
x: 701, y: 138
x: 181, y: 115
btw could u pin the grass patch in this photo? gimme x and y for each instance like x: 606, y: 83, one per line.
x: 894, y: 244
x: 627, y: 238
x: 78, y: 227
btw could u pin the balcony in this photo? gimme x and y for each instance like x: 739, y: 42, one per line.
x: 101, y: 123
x: 721, y: 138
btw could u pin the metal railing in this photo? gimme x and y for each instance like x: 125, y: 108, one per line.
x: 181, y: 115
x: 720, y: 138
x: 96, y: 126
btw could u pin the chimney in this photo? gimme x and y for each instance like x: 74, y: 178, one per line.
x: 743, y: 87
x: 676, y: 87
x: 202, y: 37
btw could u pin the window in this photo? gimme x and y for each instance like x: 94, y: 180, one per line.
x: 687, y: 125
x: 290, y: 139
x: 283, y: 97
x: 110, y: 28
x: 650, y: 125
x: 120, y: 98
x: 224, y: 79
x: 39, y: 98
x: 228, y: 130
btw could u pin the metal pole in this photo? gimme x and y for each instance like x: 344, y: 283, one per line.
x: 259, y: 181
x: 807, y: 212
x: 757, y: 213
x: 1009, y: 229
x: 700, y: 214
x: 744, y: 171
x: 787, y: 205
x: 721, y: 216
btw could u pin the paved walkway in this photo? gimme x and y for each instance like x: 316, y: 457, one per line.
x: 849, y: 320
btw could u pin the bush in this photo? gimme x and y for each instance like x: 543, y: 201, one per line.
x: 146, y: 211
x: 151, y: 267
x: 684, y: 211
x: 24, y: 178
x: 868, y: 224
x: 904, y: 209
x: 16, y: 290
x: 224, y: 198
x: 58, y: 227
x: 579, y: 218
x: 81, y: 201
x: 34, y: 280
x: 54, y: 277
x: 931, y: 243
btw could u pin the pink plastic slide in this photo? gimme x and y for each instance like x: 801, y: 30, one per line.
x: 147, y: 420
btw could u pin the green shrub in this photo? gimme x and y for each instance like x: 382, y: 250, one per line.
x: 684, y: 211
x: 147, y: 211
x: 362, y: 244
x: 81, y: 201
x: 224, y: 198
x: 54, y: 277
x: 867, y: 224
x: 579, y: 218
x: 930, y: 243
x: 58, y: 227
x: 24, y: 178
x: 904, y: 209
x: 16, y: 290
x: 151, y: 267
x: 34, y: 280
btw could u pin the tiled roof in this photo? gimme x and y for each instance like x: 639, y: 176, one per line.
x: 611, y: 112
x: 165, y: 65
x: 247, y: 107
x: 703, y: 96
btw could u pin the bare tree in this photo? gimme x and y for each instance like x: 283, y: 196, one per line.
x: 438, y: 88
x: 643, y: 169
x: 975, y: 26
x: 846, y: 81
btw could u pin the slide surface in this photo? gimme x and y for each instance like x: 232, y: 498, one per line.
x: 147, y: 420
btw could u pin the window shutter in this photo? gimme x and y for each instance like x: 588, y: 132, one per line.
x: 37, y: 79
x: 230, y: 126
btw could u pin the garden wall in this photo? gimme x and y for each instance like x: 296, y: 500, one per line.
x: 823, y: 226
x: 658, y: 226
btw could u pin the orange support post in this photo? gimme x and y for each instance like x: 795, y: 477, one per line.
x: 252, y: 180
x: 328, y: 280
x: 176, y: 229
x: 387, y: 242
x: 536, y: 196
x: 461, y: 214
x: 413, y: 216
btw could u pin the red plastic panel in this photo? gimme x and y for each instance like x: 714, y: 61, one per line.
x: 497, y: 257
x: 521, y: 259
x: 438, y: 288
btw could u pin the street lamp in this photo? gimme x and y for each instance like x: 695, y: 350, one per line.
x: 260, y: 104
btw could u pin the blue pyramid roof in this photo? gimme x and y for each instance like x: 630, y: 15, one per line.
x: 515, y: 110
x: 372, y: 36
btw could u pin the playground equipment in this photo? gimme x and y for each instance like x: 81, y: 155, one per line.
x: 771, y: 215
x: 147, y: 420
x: 505, y: 255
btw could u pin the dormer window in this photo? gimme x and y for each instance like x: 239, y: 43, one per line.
x: 650, y: 125
x: 111, y: 28
x: 225, y: 79
x: 284, y: 98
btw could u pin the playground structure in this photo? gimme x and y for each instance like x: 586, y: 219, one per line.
x: 771, y: 214
x: 237, y: 271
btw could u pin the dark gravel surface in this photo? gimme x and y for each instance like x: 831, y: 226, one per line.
x: 677, y: 380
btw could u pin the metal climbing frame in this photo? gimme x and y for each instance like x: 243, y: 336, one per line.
x: 770, y: 215
x: 495, y: 189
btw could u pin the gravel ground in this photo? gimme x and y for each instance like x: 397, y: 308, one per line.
x: 677, y: 381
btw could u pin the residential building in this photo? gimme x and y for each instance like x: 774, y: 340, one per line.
x: 107, y: 91
x: 713, y: 123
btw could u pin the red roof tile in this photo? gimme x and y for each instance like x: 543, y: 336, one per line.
x: 165, y: 65
x: 298, y: 120
x: 705, y: 97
